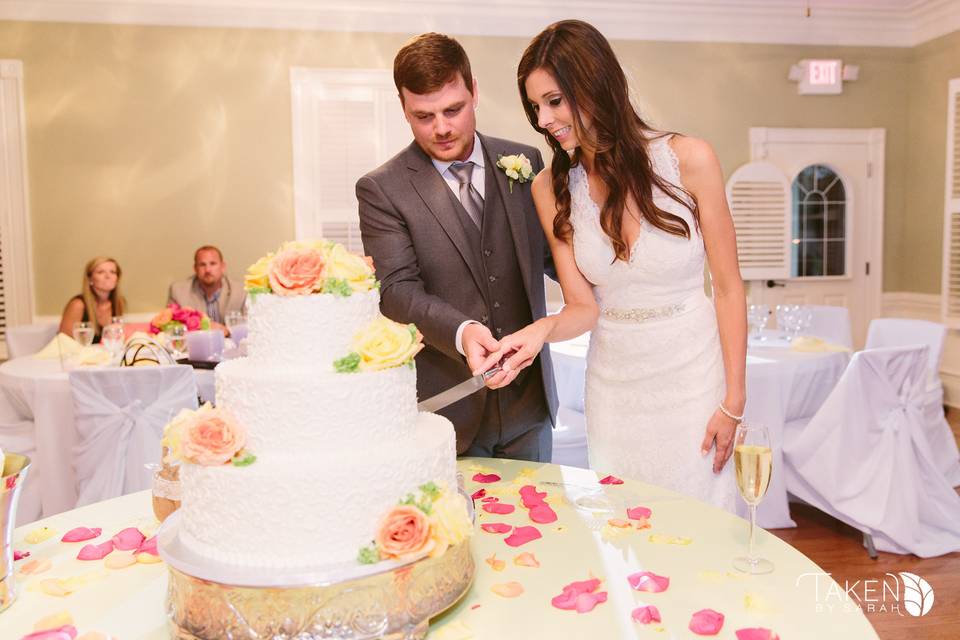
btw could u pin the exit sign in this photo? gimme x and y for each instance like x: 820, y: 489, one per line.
x: 821, y: 76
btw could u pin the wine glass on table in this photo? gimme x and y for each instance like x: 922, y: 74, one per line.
x: 83, y: 333
x: 177, y: 340
x: 112, y: 339
x: 757, y: 316
x: 753, y: 461
x: 237, y: 324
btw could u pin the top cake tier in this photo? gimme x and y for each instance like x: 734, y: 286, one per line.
x: 307, y: 330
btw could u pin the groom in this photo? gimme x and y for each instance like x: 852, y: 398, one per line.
x: 460, y: 253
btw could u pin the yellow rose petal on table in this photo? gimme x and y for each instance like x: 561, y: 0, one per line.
x: 62, y: 587
x: 620, y: 524
x: 53, y: 621
x: 479, y: 468
x: 657, y: 538
x: 496, y: 565
x: 40, y: 535
x: 507, y: 589
x: 526, y: 559
x: 119, y: 561
x: 35, y: 566
x: 755, y: 603
x: 608, y: 532
x: 147, y: 558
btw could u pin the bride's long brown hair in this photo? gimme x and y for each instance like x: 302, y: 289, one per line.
x: 585, y: 68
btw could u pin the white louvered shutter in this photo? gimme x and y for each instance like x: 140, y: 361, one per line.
x: 759, y: 197
x: 345, y: 124
x: 950, y: 283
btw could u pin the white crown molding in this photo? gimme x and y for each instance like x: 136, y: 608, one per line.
x: 863, y: 23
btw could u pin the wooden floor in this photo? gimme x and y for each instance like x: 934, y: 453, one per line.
x: 838, y: 550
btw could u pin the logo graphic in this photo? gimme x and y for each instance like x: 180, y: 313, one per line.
x: 917, y: 594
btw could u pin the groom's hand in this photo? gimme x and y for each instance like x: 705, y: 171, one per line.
x: 481, y: 349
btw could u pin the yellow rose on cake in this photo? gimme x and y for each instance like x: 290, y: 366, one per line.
x: 356, y: 270
x: 449, y: 520
x: 383, y: 344
x: 258, y: 274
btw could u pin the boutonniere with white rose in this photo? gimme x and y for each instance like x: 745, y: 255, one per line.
x: 517, y: 168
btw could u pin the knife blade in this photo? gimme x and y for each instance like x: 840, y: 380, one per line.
x: 457, y: 391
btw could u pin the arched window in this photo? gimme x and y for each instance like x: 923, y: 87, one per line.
x: 819, y: 224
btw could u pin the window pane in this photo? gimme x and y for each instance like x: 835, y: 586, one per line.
x: 805, y: 180
x: 836, y: 221
x: 811, y: 258
x: 812, y: 218
x: 835, y: 257
x: 836, y: 193
x: 822, y: 177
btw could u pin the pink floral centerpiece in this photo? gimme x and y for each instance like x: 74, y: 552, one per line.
x: 175, y: 315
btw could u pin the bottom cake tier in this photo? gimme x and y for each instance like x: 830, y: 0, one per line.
x: 309, y: 509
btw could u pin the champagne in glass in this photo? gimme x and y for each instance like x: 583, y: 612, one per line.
x: 83, y: 333
x: 753, y: 460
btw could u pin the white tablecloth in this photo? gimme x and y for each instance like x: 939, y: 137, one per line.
x: 782, y: 386
x: 41, y: 392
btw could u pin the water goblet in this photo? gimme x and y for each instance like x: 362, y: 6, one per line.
x: 753, y: 461
x: 83, y: 333
x: 112, y: 339
x: 177, y: 340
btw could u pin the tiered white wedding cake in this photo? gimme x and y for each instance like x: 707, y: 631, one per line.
x: 315, y: 454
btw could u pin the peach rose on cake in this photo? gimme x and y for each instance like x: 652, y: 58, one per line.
x: 297, y: 272
x: 404, y: 531
x: 356, y: 270
x: 207, y: 436
x: 384, y: 344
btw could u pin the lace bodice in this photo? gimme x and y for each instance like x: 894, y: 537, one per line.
x: 663, y: 269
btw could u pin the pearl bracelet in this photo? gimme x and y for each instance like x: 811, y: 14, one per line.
x: 730, y: 415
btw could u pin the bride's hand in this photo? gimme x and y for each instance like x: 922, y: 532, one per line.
x: 522, y: 349
x: 720, y: 432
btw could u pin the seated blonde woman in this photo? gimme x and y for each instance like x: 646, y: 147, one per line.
x: 100, y: 300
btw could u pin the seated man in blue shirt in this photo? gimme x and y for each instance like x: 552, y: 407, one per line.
x: 209, y: 289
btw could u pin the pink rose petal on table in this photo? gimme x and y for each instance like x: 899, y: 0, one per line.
x: 580, y: 596
x: 81, y: 534
x: 706, y: 622
x: 646, y: 615
x: 128, y: 539
x: 479, y: 493
x: 543, y: 514
x: 508, y: 589
x: 95, y: 551
x: 530, y: 497
x: 649, y: 582
x: 639, y: 513
x: 611, y: 480
x: 20, y: 555
x: 148, y: 546
x: 499, y: 508
x: 486, y: 478
x: 522, y: 535
x: 66, y: 632
x: 496, y: 527
x: 490, y: 499
x: 756, y: 633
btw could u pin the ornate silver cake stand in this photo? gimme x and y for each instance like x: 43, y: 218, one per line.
x: 391, y: 600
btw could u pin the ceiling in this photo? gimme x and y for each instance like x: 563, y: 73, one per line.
x: 892, y: 23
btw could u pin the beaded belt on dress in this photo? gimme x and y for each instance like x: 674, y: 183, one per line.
x: 645, y: 314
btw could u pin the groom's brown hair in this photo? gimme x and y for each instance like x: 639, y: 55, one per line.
x: 428, y: 62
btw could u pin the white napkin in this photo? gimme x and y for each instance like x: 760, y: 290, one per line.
x: 811, y: 344
x: 62, y: 345
x: 92, y: 356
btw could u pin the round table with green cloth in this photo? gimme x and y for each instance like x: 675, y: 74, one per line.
x: 687, y: 541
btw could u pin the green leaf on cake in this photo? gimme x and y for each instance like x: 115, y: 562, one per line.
x: 243, y: 459
x: 368, y: 555
x: 338, y: 287
x: 349, y: 363
x: 430, y: 490
x: 258, y: 290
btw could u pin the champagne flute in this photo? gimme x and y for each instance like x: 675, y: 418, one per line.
x: 83, y: 333
x: 753, y: 460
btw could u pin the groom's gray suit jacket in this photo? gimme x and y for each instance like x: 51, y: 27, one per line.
x: 437, y: 270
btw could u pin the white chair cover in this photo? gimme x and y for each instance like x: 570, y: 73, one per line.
x: 17, y: 436
x: 899, y: 332
x: 864, y: 457
x: 831, y: 323
x: 570, y: 439
x: 27, y: 339
x: 120, y: 414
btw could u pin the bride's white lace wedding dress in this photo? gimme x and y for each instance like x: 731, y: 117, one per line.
x: 654, y: 368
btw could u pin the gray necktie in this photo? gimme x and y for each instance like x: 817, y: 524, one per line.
x: 469, y: 196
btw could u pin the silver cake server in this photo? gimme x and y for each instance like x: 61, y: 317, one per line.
x: 457, y: 391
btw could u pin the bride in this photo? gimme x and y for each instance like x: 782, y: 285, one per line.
x: 630, y: 214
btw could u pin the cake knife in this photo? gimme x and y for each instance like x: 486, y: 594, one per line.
x: 457, y: 392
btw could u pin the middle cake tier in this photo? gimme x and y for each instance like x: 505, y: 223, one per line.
x: 286, y: 409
